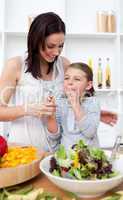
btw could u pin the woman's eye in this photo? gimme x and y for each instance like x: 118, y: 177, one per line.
x: 50, y: 47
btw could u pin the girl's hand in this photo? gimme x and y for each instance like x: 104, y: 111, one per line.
x: 73, y: 99
x: 51, y: 103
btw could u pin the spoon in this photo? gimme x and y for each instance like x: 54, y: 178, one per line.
x: 115, y: 149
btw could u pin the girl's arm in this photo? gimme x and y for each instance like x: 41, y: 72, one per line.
x: 52, y: 125
x: 53, y: 129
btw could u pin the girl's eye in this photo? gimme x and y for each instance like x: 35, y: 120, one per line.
x: 77, y: 79
x: 66, y: 78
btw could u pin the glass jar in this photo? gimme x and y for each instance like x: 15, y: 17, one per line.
x: 111, y: 21
x: 30, y: 19
x: 101, y: 21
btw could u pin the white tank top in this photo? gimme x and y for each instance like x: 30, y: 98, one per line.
x: 29, y: 129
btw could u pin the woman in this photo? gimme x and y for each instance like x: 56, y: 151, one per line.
x: 25, y: 78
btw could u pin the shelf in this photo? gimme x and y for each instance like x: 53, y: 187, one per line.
x: 121, y: 35
x: 109, y: 90
x: 70, y: 36
x: 16, y: 33
x: 92, y: 35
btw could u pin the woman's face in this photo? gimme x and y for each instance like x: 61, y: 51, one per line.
x: 75, y: 80
x: 53, y: 46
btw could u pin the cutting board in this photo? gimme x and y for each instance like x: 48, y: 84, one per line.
x: 15, y: 175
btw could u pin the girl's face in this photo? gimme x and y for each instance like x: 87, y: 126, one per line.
x: 53, y: 46
x: 75, y: 80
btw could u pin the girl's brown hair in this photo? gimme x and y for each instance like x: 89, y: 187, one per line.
x: 89, y: 74
x: 43, y: 25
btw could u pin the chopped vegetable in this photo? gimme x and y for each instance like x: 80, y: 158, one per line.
x: 114, y: 196
x: 81, y: 162
x: 3, y: 146
x: 26, y: 193
x: 18, y: 156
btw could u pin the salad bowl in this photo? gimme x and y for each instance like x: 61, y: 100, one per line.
x: 85, y: 188
x: 20, y: 173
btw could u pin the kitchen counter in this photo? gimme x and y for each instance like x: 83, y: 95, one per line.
x: 42, y: 181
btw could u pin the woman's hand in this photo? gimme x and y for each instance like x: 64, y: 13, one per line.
x: 108, y: 117
x: 40, y: 110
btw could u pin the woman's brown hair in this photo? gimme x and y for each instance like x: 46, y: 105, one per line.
x: 43, y: 25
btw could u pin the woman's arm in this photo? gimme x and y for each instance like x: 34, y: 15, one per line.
x: 109, y: 117
x: 8, y: 83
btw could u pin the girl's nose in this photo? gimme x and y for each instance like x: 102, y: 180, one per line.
x: 70, y: 82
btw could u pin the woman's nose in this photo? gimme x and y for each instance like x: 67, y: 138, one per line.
x: 56, y: 52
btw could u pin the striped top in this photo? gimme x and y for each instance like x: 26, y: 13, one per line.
x: 70, y: 130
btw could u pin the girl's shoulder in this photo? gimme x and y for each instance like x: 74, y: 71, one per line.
x: 91, y: 103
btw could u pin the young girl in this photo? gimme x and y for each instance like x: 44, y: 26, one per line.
x: 77, y: 115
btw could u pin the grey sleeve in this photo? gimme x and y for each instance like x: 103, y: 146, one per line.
x: 89, y: 123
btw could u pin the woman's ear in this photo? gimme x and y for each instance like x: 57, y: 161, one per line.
x: 89, y: 85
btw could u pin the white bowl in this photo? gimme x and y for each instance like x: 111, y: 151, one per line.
x: 85, y: 188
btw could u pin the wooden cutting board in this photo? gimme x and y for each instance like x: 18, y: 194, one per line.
x: 15, y: 175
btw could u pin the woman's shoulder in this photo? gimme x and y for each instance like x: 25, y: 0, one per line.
x: 65, y: 62
x: 14, y: 63
x: 13, y: 66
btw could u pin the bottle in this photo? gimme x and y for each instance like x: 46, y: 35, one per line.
x: 111, y: 21
x: 30, y: 20
x: 90, y: 63
x: 108, y: 74
x: 101, y: 21
x: 99, y: 74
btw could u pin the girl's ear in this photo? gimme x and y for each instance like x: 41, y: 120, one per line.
x: 89, y: 85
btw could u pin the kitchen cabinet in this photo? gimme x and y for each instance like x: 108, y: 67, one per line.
x: 82, y: 40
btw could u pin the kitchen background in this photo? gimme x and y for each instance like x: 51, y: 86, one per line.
x: 94, y: 35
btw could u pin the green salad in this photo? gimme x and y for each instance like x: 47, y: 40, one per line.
x: 81, y: 162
